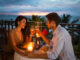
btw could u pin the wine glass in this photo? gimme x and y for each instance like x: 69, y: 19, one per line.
x: 36, y: 29
x: 32, y: 29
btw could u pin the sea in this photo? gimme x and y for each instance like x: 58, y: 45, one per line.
x: 13, y: 17
x: 10, y: 17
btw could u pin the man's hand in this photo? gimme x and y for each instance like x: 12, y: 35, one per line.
x: 39, y: 32
x: 43, y: 37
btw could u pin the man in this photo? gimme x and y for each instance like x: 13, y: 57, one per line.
x: 61, y: 44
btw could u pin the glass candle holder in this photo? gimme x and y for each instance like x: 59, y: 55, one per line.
x: 30, y: 47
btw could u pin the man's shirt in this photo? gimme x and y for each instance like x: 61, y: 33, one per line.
x: 61, y: 45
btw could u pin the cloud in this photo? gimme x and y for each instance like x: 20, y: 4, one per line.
x: 60, y: 6
x: 18, y: 2
x: 66, y: 1
x: 33, y: 13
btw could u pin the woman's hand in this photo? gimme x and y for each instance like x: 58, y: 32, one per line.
x: 23, y: 51
x: 32, y: 32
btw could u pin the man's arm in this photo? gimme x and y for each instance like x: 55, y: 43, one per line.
x: 43, y: 37
x: 57, y: 47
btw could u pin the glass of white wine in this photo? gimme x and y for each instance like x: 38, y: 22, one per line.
x: 32, y: 29
x: 36, y: 29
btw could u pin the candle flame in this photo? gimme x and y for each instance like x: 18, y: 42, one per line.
x: 30, y: 46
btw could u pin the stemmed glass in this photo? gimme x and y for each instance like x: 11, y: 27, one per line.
x: 32, y: 28
x: 36, y: 29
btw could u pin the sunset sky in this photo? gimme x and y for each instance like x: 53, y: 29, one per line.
x: 39, y: 7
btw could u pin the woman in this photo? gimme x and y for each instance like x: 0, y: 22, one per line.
x: 18, y: 35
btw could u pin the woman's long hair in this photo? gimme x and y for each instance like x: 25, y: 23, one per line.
x: 26, y: 30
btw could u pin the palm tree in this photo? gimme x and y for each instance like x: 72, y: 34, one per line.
x: 35, y: 19
x: 74, y: 21
x: 65, y: 18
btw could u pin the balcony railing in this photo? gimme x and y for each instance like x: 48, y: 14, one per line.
x: 5, y: 27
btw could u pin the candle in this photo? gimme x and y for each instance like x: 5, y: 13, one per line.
x: 30, y: 46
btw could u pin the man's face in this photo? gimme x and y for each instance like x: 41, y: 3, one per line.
x: 50, y: 24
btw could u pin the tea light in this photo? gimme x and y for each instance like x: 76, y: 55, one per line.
x: 30, y: 46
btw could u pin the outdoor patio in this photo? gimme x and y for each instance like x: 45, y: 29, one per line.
x: 5, y: 27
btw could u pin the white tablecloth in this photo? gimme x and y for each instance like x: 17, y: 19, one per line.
x: 20, y: 57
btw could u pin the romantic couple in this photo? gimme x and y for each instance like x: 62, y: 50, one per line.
x: 61, y: 41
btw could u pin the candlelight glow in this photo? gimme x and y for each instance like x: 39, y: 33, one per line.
x: 38, y: 42
x: 33, y: 13
x: 37, y: 35
x: 30, y: 46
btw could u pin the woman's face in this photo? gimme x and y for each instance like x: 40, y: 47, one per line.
x: 22, y: 23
